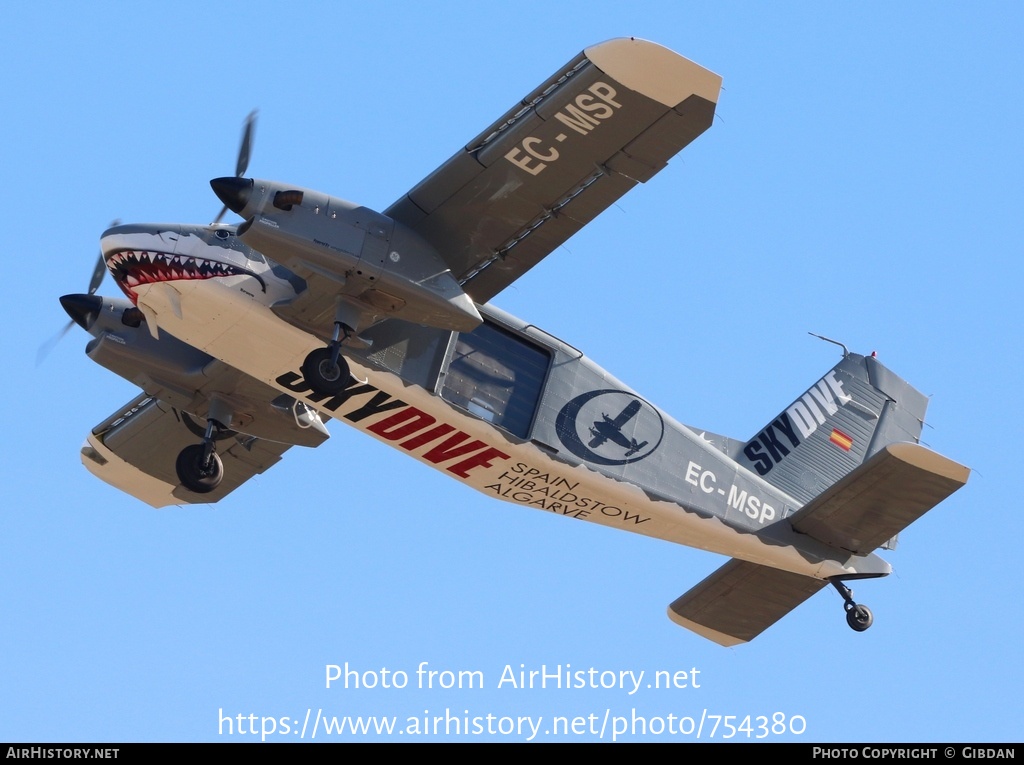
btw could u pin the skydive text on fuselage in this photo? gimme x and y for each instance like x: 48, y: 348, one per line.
x: 412, y: 429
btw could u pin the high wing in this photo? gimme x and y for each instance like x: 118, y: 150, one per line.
x: 860, y: 512
x: 135, y: 451
x: 609, y: 119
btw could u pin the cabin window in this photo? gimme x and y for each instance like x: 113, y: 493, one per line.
x: 497, y: 376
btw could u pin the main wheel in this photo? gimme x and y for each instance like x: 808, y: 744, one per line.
x: 194, y: 474
x: 322, y: 375
x: 859, y: 617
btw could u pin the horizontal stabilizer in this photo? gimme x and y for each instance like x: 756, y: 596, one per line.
x: 880, y: 498
x: 741, y: 600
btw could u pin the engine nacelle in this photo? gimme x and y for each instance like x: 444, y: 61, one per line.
x: 378, y: 264
x: 185, y: 377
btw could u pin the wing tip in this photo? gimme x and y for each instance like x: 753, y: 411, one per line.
x: 654, y: 70
x: 115, y: 471
x: 704, y: 631
x: 923, y: 458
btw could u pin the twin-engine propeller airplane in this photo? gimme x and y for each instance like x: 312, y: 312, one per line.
x: 246, y: 340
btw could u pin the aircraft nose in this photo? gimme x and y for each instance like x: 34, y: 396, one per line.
x: 234, y: 192
x: 83, y: 309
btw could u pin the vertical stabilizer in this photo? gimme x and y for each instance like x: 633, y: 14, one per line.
x: 853, y: 411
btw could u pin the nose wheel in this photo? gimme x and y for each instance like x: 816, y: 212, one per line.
x: 325, y: 369
x: 199, y: 468
x: 858, y: 616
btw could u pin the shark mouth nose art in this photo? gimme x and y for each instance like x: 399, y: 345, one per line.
x: 132, y: 268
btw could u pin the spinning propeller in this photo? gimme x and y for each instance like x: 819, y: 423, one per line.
x: 81, y: 308
x: 243, y: 156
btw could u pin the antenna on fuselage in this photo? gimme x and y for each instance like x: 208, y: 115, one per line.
x: 846, y: 351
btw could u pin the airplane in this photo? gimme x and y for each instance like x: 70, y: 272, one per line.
x: 247, y: 339
x: 607, y: 428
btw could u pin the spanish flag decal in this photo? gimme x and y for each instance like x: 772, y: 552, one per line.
x: 840, y: 439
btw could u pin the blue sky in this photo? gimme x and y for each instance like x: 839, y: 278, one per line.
x: 863, y: 180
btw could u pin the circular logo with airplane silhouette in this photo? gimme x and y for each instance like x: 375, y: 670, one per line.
x: 609, y: 427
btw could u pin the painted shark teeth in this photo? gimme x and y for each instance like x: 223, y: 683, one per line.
x: 132, y: 268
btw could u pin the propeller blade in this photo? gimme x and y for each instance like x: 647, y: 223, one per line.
x: 243, y: 155
x: 243, y: 151
x: 98, y: 272
x: 220, y: 215
x: 97, y: 275
x: 47, y: 348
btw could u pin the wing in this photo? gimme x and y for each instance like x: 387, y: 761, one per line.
x: 741, y: 600
x: 880, y: 498
x: 135, y: 450
x: 609, y: 119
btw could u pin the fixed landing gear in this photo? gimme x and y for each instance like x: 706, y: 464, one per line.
x: 199, y: 468
x: 858, y: 616
x: 325, y: 370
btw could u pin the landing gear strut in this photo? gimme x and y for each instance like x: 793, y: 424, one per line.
x: 325, y: 370
x: 199, y: 468
x: 858, y: 616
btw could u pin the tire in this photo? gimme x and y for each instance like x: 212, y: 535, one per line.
x: 859, y: 618
x: 323, y: 376
x: 194, y: 475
